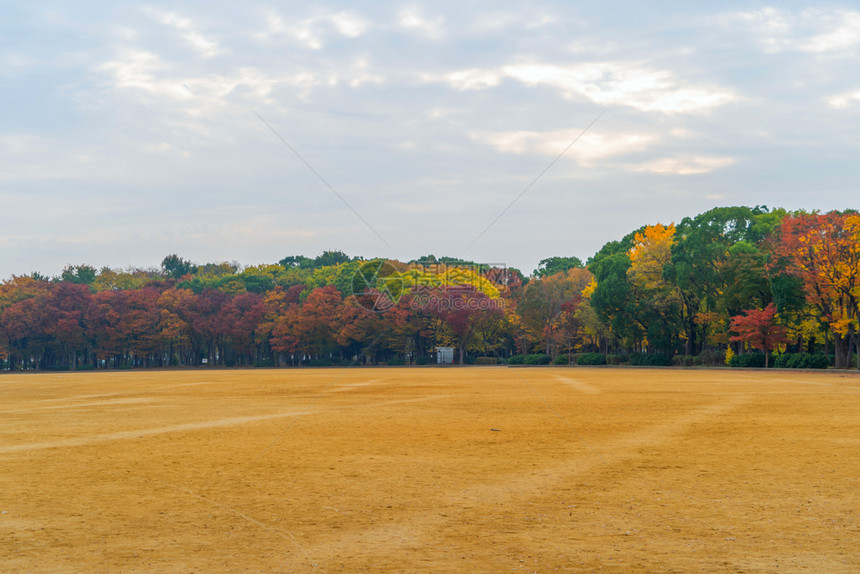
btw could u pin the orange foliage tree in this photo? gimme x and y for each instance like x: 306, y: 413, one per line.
x: 824, y: 250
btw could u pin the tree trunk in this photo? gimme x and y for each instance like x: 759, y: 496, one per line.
x: 840, y: 345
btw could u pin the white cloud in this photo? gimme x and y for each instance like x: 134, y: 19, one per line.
x: 474, y: 79
x: 843, y: 101
x: 771, y: 26
x: 493, y: 22
x: 845, y: 37
x: 812, y: 30
x: 205, y: 95
x: 410, y: 19
x: 605, y: 83
x: 348, y: 24
x: 360, y: 74
x: 189, y: 33
x: 587, y: 151
x: 686, y: 165
x: 617, y: 83
x: 136, y: 69
x: 310, y: 32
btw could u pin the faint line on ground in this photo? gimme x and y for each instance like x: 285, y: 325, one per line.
x: 322, y: 179
x: 201, y: 425
x: 558, y: 416
x: 537, y: 178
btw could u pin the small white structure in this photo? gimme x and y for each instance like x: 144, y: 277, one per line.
x: 444, y: 355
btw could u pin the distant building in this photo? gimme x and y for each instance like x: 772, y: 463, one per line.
x: 444, y: 355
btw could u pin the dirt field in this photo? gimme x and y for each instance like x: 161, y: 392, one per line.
x: 401, y: 470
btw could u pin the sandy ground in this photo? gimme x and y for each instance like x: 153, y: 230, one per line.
x: 401, y: 470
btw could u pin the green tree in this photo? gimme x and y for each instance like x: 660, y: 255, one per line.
x: 80, y: 274
x: 553, y: 265
x: 175, y: 267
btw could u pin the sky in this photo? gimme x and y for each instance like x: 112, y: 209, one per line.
x: 224, y: 131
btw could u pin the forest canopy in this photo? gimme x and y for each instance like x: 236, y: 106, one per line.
x: 733, y: 284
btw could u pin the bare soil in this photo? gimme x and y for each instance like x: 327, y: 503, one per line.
x: 430, y: 469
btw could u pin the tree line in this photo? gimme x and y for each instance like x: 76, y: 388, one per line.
x: 733, y: 284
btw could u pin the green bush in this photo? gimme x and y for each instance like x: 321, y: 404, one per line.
x: 801, y: 361
x: 320, y: 363
x: 617, y: 359
x: 650, y: 360
x: 818, y: 362
x: 537, y: 359
x: 712, y: 357
x: 561, y: 360
x: 591, y: 359
x: 516, y: 360
x: 265, y: 363
x: 684, y: 360
x: 85, y: 367
x: 748, y: 360
x: 422, y: 360
x: 395, y: 362
x: 486, y: 361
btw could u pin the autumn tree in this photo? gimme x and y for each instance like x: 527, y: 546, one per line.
x: 824, y: 251
x: 699, y: 253
x: 657, y: 307
x: 553, y: 265
x: 462, y: 308
x: 542, y: 306
x: 758, y: 329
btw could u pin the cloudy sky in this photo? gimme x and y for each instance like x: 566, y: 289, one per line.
x: 129, y: 131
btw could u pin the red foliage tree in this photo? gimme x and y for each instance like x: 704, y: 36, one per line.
x: 463, y: 308
x: 758, y: 328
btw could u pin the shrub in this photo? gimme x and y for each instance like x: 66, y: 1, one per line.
x: 516, y: 360
x: 591, y: 359
x: 265, y: 363
x: 422, y: 360
x: 85, y: 367
x: 320, y: 363
x: 561, y: 360
x: 537, y: 359
x: 683, y: 360
x: 650, y: 360
x: 486, y: 361
x: 395, y: 362
x: 801, y: 361
x: 748, y: 360
x: 711, y: 357
x: 617, y: 359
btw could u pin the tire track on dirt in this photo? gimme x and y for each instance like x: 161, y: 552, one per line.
x: 201, y: 425
x: 79, y: 405
x: 578, y: 385
x: 414, y: 529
